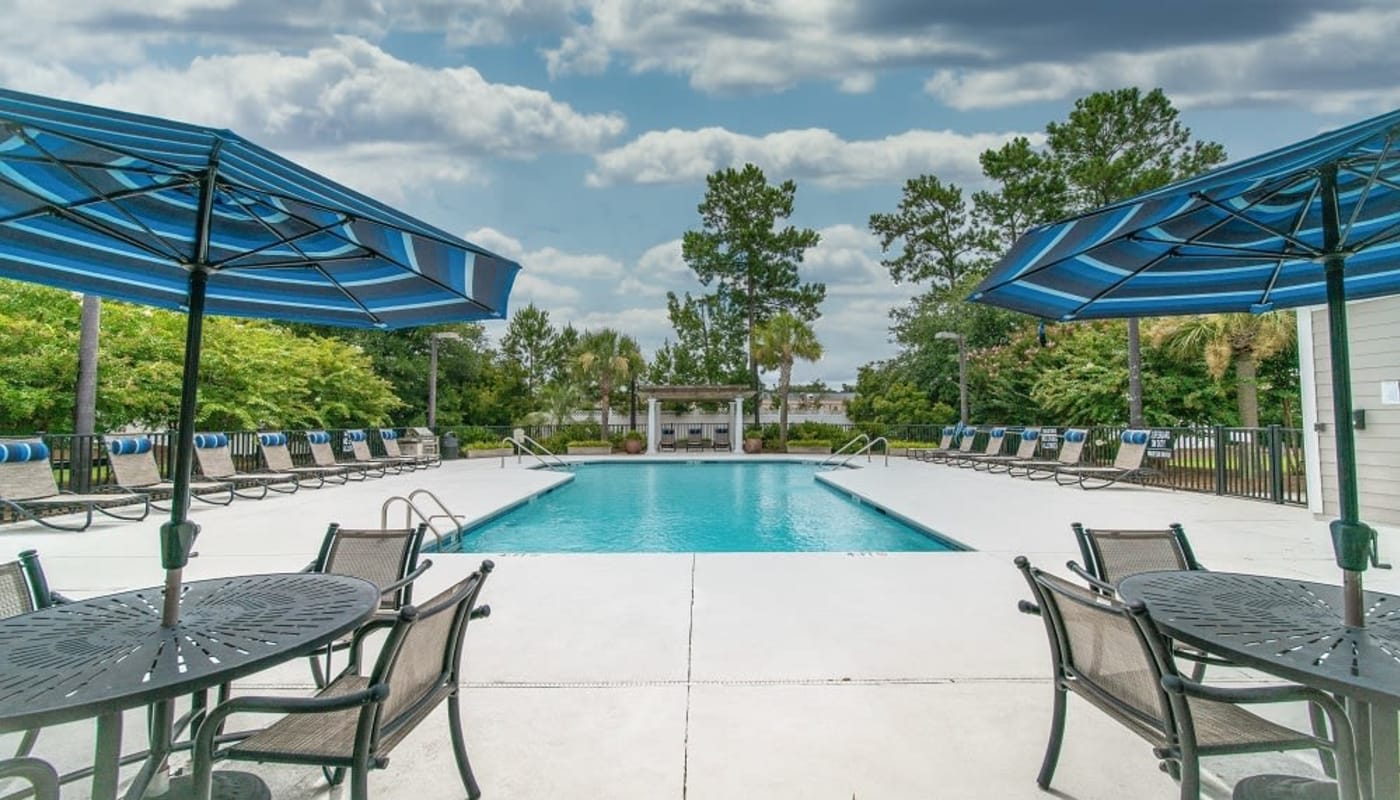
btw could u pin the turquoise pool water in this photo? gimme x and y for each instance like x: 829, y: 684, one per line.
x: 694, y: 507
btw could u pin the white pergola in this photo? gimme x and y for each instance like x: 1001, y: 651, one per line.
x: 734, y: 395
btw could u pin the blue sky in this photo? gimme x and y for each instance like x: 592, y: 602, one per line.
x: 574, y: 135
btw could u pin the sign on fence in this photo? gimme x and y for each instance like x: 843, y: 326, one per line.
x: 1049, y: 439
x: 1159, y: 443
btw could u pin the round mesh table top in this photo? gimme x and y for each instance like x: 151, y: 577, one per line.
x: 109, y: 653
x: 1290, y: 628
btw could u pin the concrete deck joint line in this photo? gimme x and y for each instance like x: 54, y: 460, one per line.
x: 689, y: 667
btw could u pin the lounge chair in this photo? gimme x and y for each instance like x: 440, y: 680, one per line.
x: 668, y: 439
x: 390, y: 439
x: 996, y: 439
x: 1113, y: 656
x: 320, y: 444
x: 386, y: 558
x: 279, y: 459
x: 23, y: 588
x: 1127, y: 465
x: 216, y: 461
x: 29, y: 491
x: 134, y: 468
x: 356, y: 721
x: 694, y: 439
x: 1037, y: 469
x: 944, y: 445
x: 1025, y: 451
x: 721, y: 441
x: 966, y: 438
x: 359, y: 451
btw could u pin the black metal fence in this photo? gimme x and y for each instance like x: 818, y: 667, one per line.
x: 1256, y: 463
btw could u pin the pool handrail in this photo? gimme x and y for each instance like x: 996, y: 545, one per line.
x: 412, y: 509
x: 831, y: 458
x: 525, y: 444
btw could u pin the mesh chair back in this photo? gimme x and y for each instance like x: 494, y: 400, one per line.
x: 391, y: 447
x: 423, y: 668
x: 1101, y: 652
x: 969, y: 435
x: 133, y: 461
x: 1112, y: 556
x: 995, y: 440
x: 359, y: 445
x: 1072, y: 445
x: 215, y: 458
x: 321, y: 452
x: 1030, y: 440
x: 25, y: 471
x: 946, y: 442
x: 1132, y: 448
x: 15, y: 598
x: 722, y: 436
x: 275, y: 452
x: 378, y: 556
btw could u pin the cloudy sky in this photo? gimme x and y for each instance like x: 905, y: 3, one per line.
x: 575, y: 135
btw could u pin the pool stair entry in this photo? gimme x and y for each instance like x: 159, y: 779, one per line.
x: 413, y: 510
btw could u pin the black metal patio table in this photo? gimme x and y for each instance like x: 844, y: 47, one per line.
x: 101, y: 656
x: 1293, y: 629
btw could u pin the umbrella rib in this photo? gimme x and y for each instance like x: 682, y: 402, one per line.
x: 1288, y: 237
x: 113, y: 233
x: 349, y: 295
x: 1380, y: 238
x: 169, y: 251
x: 1227, y: 251
x: 77, y: 162
x: 297, y: 264
x: 1297, y: 226
x: 107, y: 146
x: 87, y: 201
x: 1112, y: 287
x: 1386, y: 182
x: 1366, y: 191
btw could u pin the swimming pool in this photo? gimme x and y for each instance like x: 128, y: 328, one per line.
x: 697, y: 506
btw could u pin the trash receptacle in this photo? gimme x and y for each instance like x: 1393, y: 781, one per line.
x: 449, y: 445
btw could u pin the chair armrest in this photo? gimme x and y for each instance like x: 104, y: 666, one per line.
x: 1094, y: 582
x: 407, y: 579
x: 1027, y: 607
x: 309, y: 567
x: 480, y: 612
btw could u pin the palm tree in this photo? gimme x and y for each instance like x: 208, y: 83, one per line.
x: 561, y: 399
x: 777, y: 344
x: 610, y: 358
x: 1241, y: 340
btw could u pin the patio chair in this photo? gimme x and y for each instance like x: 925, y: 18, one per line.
x: 279, y: 459
x: 28, y: 489
x: 694, y: 438
x: 390, y: 439
x: 386, y: 558
x: 321, y: 453
x: 216, y: 461
x: 721, y: 441
x: 1127, y: 465
x: 1113, y: 656
x: 1037, y: 469
x: 944, y: 445
x: 1025, y: 451
x: 23, y: 588
x: 359, y: 451
x: 996, y: 439
x: 356, y: 721
x: 134, y: 468
x: 668, y: 439
x: 966, y: 437
x: 42, y: 778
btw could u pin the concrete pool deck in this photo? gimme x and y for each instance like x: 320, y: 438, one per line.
x: 736, y: 675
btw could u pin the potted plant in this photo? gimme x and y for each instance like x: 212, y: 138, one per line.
x: 634, y: 442
x: 753, y: 440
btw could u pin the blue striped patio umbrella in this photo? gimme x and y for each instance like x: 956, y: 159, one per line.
x: 202, y: 220
x: 1317, y: 222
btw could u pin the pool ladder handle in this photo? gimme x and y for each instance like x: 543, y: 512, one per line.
x: 527, y: 445
x: 830, y: 461
x: 411, y: 509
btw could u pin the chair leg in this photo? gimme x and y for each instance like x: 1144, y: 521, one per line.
x: 321, y: 678
x: 359, y: 782
x: 1057, y: 737
x: 459, y: 747
x: 1319, y: 727
x: 26, y: 742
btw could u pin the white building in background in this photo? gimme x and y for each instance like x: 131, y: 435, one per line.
x: 1375, y: 386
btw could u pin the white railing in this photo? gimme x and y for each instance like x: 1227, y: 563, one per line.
x: 860, y: 437
x: 411, y: 510
x: 865, y: 451
x: 527, y: 445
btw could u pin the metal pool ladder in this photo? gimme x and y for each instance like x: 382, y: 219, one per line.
x: 525, y: 444
x: 411, y: 510
x: 830, y: 461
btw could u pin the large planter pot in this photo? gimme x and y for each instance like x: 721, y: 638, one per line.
x: 812, y: 450
x: 632, y: 446
x: 589, y: 451
x: 494, y: 452
x: 753, y: 446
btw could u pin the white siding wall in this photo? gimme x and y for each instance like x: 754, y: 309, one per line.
x: 1375, y: 356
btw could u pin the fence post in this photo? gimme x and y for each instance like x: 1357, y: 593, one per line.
x: 1220, y: 472
x: 1276, y: 462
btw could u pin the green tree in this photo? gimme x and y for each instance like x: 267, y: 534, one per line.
x: 938, y: 240
x: 1029, y: 191
x: 752, y: 261
x: 561, y: 399
x: 1240, y: 341
x: 779, y: 342
x: 609, y: 358
x: 532, y: 342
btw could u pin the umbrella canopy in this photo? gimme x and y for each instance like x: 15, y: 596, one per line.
x: 1315, y: 222
x: 202, y: 220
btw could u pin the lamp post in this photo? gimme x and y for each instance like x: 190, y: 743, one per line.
x: 433, y: 340
x: 962, y: 370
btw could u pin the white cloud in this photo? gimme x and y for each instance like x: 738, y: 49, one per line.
x: 678, y: 156
x: 548, y: 260
x: 660, y: 269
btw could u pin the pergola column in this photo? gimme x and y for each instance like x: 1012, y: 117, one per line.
x: 653, y: 427
x: 736, y: 441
